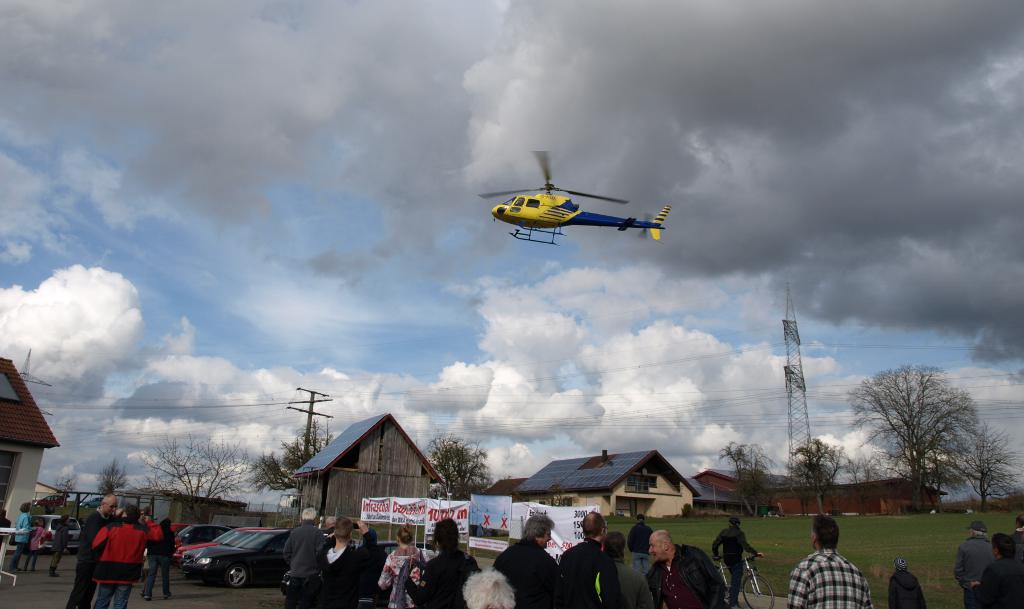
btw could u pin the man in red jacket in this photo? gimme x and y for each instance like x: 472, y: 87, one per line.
x: 120, y: 546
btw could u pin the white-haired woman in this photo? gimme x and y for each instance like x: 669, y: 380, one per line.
x: 488, y: 589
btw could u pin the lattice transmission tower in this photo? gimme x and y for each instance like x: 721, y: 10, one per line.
x: 796, y: 389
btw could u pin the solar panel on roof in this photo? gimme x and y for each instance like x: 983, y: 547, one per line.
x: 339, y: 445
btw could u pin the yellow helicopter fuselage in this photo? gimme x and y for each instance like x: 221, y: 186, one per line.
x: 539, y: 210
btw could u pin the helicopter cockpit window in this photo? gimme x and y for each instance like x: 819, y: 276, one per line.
x: 533, y: 203
x: 518, y: 201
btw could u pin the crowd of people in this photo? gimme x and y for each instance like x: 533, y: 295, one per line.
x: 328, y: 570
x: 593, y: 575
x: 111, y: 551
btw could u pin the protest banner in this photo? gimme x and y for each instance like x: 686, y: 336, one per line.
x: 375, y: 509
x: 489, y: 517
x: 568, y: 521
x: 408, y: 511
x: 439, y: 509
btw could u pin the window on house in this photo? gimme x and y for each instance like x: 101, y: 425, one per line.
x: 6, y: 468
x: 7, y: 391
x: 640, y: 483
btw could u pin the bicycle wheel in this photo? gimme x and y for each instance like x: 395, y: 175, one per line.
x: 757, y: 592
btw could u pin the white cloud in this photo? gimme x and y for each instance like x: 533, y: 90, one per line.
x: 81, y: 323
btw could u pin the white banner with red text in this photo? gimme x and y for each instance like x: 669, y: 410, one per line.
x: 375, y: 509
x: 568, y: 521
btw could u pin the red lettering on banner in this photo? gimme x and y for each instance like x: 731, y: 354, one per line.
x: 487, y: 520
x: 504, y: 522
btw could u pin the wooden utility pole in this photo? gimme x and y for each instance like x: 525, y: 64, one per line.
x: 310, y: 412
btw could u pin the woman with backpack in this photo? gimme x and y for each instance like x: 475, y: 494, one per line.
x: 440, y: 586
x: 405, y: 563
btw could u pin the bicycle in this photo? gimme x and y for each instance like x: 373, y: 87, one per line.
x: 757, y: 592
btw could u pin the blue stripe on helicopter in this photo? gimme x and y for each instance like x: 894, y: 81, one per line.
x: 586, y: 218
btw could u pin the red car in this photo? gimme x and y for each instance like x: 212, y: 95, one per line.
x: 52, y: 501
x: 223, y: 539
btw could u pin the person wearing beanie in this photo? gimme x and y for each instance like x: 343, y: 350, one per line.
x: 904, y: 589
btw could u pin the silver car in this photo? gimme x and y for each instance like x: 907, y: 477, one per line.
x: 50, y: 524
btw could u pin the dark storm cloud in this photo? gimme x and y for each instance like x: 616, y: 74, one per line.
x: 868, y: 152
x: 865, y: 147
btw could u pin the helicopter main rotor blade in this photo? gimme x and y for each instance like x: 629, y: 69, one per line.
x: 545, y: 164
x: 599, y: 197
x: 490, y: 195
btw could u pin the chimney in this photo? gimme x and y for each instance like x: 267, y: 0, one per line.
x: 604, y: 456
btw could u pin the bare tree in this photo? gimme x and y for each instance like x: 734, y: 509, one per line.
x: 461, y: 464
x: 916, y: 414
x: 752, y: 466
x: 66, y: 484
x: 275, y: 472
x: 989, y: 465
x: 861, y: 472
x: 197, y: 469
x: 113, y: 477
x: 941, y: 470
x: 817, y: 465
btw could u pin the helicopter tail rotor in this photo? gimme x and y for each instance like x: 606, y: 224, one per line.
x: 657, y: 222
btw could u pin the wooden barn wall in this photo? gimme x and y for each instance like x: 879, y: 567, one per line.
x: 346, y: 489
x: 399, y: 474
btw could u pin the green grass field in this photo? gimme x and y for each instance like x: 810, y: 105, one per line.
x: 927, y: 541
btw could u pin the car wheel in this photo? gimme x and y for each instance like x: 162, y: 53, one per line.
x: 237, y: 576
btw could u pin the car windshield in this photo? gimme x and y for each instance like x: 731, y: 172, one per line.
x: 231, y: 538
x: 255, y: 540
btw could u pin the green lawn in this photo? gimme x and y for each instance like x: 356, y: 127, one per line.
x: 927, y: 541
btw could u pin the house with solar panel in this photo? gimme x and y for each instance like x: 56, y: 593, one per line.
x: 625, y: 483
x: 371, y: 458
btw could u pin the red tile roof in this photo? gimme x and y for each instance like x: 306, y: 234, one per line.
x: 22, y: 421
x: 506, y: 486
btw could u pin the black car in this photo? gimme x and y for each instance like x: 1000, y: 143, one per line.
x: 199, y: 533
x: 257, y: 559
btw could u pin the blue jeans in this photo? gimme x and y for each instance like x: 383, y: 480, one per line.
x: 641, y: 562
x: 735, y: 579
x: 19, y: 550
x: 30, y: 562
x: 118, y: 592
x: 970, y: 601
x: 164, y: 563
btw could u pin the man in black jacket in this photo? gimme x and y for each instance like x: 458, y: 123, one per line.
x: 733, y: 542
x: 639, y: 541
x: 1002, y: 583
x: 530, y: 570
x: 84, y: 587
x: 374, y: 557
x: 342, y: 565
x: 589, y: 577
x: 683, y: 576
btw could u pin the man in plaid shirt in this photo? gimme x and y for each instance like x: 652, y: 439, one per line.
x: 826, y: 580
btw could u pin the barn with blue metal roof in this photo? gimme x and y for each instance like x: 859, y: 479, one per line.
x: 371, y: 458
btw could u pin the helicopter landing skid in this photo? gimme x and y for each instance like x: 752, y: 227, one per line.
x: 537, y: 235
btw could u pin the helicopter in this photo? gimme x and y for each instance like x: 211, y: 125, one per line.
x: 539, y: 215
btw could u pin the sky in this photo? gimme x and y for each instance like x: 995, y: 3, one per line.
x: 206, y: 207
